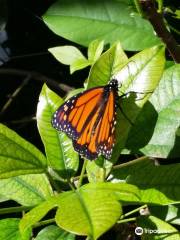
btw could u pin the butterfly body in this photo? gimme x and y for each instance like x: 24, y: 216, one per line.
x: 89, y: 119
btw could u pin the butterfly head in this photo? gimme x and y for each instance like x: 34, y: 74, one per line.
x: 113, y: 83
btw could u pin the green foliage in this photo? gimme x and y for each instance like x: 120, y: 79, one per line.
x: 84, y: 21
x: 70, y: 55
x: 161, y: 229
x: 27, y: 190
x: 49, y: 182
x: 58, y: 146
x: 92, y: 203
x: 17, y: 156
x: 169, y: 213
x: 162, y: 116
x: 54, y: 233
x: 9, y: 229
x: 107, y: 65
x: 158, y: 184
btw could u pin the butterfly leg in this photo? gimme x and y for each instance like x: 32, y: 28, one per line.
x: 120, y: 108
x: 133, y: 92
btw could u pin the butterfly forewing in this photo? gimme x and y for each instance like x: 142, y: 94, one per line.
x: 72, y: 116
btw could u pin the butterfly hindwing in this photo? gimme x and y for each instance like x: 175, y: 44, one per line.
x: 106, y: 136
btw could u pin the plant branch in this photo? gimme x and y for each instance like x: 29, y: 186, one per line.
x: 157, y: 21
x: 127, y: 220
x: 33, y: 75
x: 15, y: 94
x: 43, y: 223
x: 130, y: 162
x: 24, y: 120
x: 82, y: 173
x: 133, y: 211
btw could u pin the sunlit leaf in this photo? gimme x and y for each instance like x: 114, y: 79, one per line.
x: 59, y: 151
x: 90, y: 210
x: 9, y: 230
x: 28, y: 190
x: 54, y: 233
x: 70, y: 55
x: 84, y: 21
x: 94, y: 50
x: 17, y: 156
x: 155, y: 228
x: 158, y: 184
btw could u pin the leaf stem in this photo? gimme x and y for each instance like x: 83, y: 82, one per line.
x: 127, y: 220
x: 45, y: 222
x: 71, y: 184
x: 14, y: 209
x: 119, y: 166
x: 131, y: 162
x: 82, y: 173
x: 133, y: 211
x: 88, y: 238
x: 53, y: 182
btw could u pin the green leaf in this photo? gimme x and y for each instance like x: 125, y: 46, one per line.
x: 79, y: 64
x: 169, y: 64
x: 54, y: 233
x: 154, y: 228
x: 27, y: 190
x: 84, y: 21
x: 59, y: 151
x: 162, y: 116
x: 170, y: 213
x: 96, y: 212
x: 166, y: 102
x: 36, y: 214
x: 9, y: 230
x: 139, y: 77
x: 98, y: 170
x: 3, y: 199
x: 122, y: 191
x: 107, y: 65
x: 94, y: 50
x: 70, y: 55
x: 96, y: 206
x: 17, y: 156
x: 158, y: 184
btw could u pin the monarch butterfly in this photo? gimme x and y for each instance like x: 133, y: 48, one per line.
x: 89, y: 119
